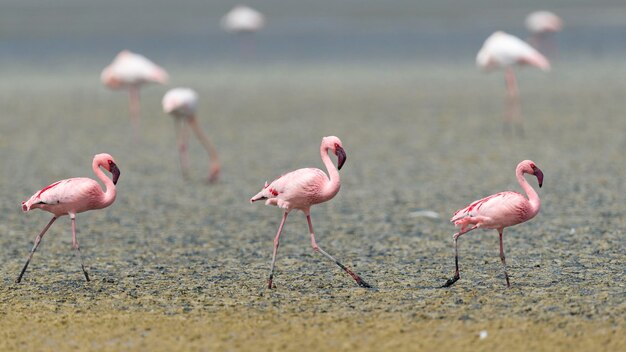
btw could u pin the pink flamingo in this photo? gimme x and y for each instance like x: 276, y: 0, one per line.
x: 130, y: 71
x: 73, y: 196
x: 302, y: 188
x: 182, y: 103
x: 541, y: 25
x: 498, y: 211
x: 502, y: 50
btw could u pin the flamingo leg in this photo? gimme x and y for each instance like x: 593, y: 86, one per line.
x: 503, y: 259
x: 135, y: 110
x: 455, y: 237
x: 210, y: 148
x: 276, y: 243
x: 513, y: 115
x: 182, y: 136
x: 316, y: 248
x: 77, y: 247
x: 32, y: 251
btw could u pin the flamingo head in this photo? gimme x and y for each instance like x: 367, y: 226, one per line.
x: 534, y: 170
x: 333, y: 143
x: 106, y: 161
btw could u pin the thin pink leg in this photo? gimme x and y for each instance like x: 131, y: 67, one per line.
x: 316, y: 248
x: 503, y: 259
x: 135, y: 110
x: 513, y: 110
x: 32, y: 251
x: 455, y: 237
x: 276, y: 243
x: 77, y: 247
x: 182, y: 137
x: 214, y: 169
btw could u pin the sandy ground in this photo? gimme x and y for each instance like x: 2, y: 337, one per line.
x: 182, y: 265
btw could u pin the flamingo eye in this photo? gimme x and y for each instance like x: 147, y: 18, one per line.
x: 110, y: 162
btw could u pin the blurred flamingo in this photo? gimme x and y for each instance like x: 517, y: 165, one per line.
x: 130, y: 71
x: 302, y: 188
x: 502, y: 50
x: 243, y: 21
x: 182, y: 103
x: 72, y: 196
x: 541, y: 25
x: 499, y: 211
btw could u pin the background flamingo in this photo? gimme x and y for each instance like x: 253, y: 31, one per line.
x: 182, y: 103
x: 502, y: 50
x: 73, y: 196
x: 243, y: 21
x: 130, y: 71
x: 541, y: 25
x: 302, y: 188
x: 498, y: 211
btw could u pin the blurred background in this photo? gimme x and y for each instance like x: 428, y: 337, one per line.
x: 86, y: 33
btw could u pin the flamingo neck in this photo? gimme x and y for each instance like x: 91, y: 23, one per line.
x: 533, y: 197
x: 108, y: 196
x: 332, y: 187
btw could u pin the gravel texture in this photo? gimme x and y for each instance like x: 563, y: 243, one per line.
x: 183, y: 265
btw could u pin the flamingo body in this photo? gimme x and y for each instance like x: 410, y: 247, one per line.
x: 499, y: 211
x: 299, y: 189
x: 130, y: 69
x: 302, y: 188
x: 242, y: 19
x: 502, y: 50
x: 72, y: 196
x: 540, y: 22
x: 181, y: 102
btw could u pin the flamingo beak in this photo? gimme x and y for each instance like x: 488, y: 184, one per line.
x: 115, y: 172
x: 341, y: 156
x: 539, y: 176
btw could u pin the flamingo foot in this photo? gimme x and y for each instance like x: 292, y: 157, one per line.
x: 452, y: 280
x: 86, y: 274
x: 270, y: 284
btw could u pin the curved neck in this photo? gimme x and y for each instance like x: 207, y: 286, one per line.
x: 331, y: 187
x: 533, y: 197
x: 108, y: 196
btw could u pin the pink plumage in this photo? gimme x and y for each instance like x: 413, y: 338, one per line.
x: 131, y: 69
x: 302, y: 188
x: 73, y: 196
x: 502, y: 50
x: 499, y: 211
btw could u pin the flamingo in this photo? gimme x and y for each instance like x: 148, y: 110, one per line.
x: 72, y: 196
x: 302, y: 188
x: 130, y: 71
x: 181, y: 103
x: 541, y: 24
x: 243, y: 21
x: 502, y: 50
x: 499, y: 211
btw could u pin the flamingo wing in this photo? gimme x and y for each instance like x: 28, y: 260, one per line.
x: 301, y: 182
x: 485, y: 205
x: 64, y: 192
